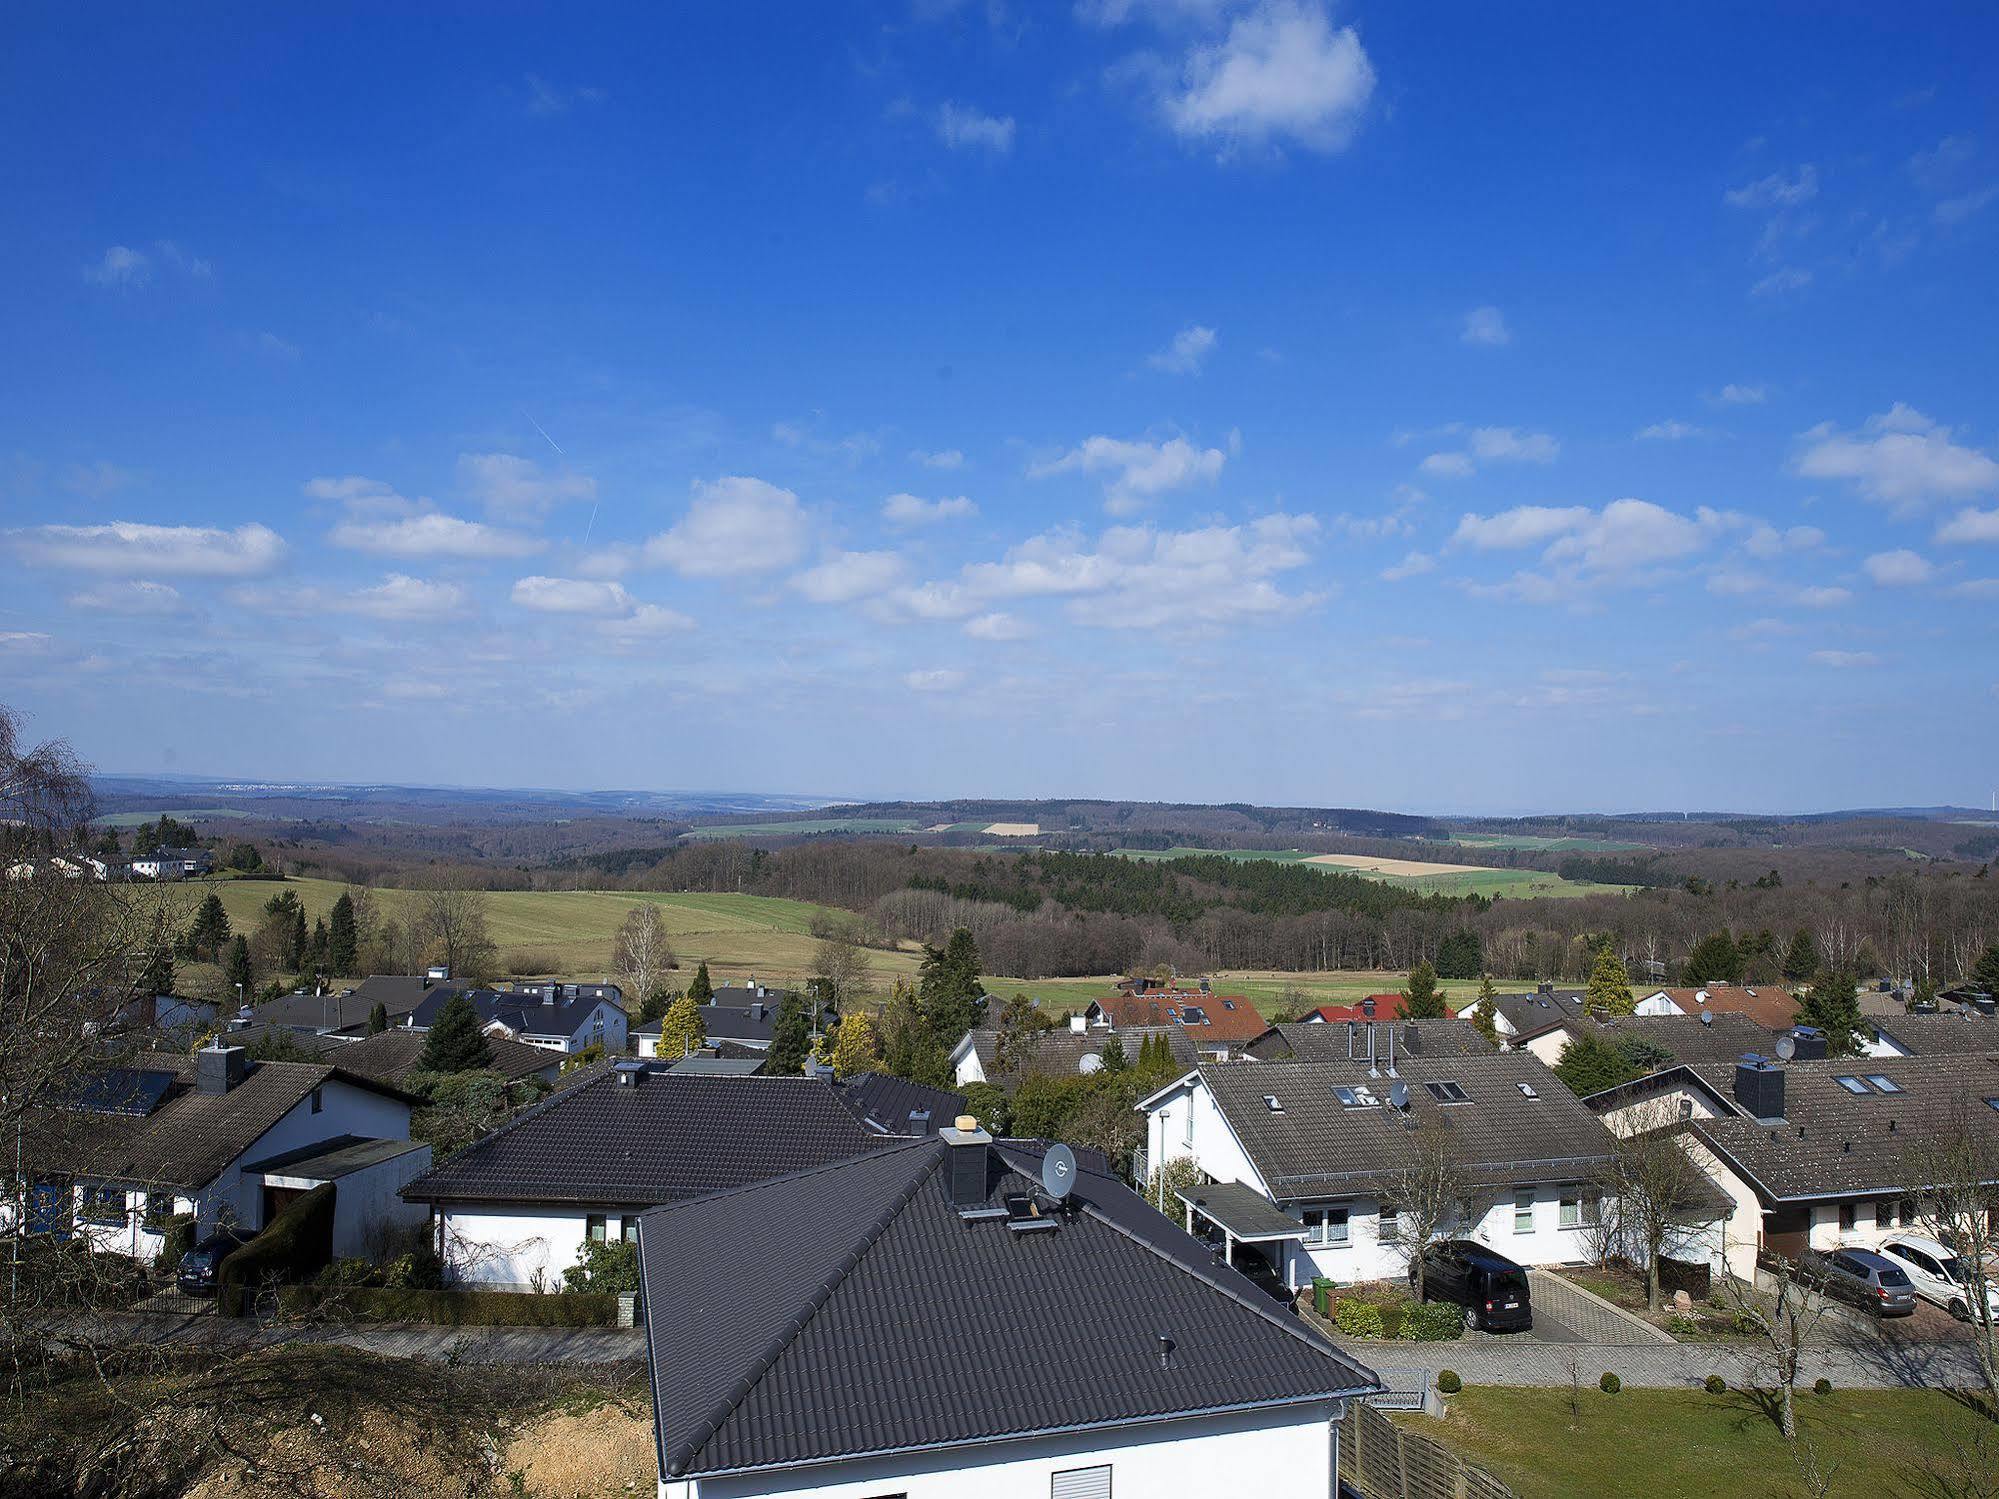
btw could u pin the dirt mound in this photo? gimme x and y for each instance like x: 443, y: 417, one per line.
x: 608, y: 1450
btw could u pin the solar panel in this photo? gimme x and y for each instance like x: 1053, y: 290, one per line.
x: 122, y: 1090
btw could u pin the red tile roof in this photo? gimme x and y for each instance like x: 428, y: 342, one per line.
x: 1769, y: 1005
x: 1386, y: 1007
x: 1224, y: 1017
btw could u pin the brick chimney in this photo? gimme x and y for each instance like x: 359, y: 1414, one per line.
x: 970, y: 1154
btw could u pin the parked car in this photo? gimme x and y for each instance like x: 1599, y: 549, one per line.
x: 199, y: 1266
x: 1260, y: 1273
x: 1490, y: 1287
x: 1870, y: 1281
x: 1939, y: 1276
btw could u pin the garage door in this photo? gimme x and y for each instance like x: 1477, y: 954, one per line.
x: 1081, y: 1483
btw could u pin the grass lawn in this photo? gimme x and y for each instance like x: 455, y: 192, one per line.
x: 1682, y: 1442
x: 1514, y: 884
x: 185, y: 814
x: 1271, y: 992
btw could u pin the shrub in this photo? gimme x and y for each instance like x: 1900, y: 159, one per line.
x: 348, y: 1272
x: 611, y: 1266
x: 532, y: 962
x: 458, y: 1308
x: 176, y: 1239
x: 1356, y: 1318
x: 1433, y: 1322
x: 1610, y: 1384
x: 1716, y: 1385
x: 1682, y: 1325
x: 1448, y: 1382
x: 1821, y: 1386
x: 416, y: 1270
x: 292, y: 1247
x: 1393, y: 1316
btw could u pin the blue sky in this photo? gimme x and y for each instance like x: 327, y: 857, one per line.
x: 1452, y: 408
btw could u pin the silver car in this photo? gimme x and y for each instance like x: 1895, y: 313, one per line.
x: 1867, y: 1280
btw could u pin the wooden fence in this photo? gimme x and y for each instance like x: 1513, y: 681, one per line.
x: 1383, y: 1461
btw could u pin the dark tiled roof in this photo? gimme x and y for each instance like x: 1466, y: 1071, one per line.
x: 400, y: 993
x: 192, y: 1136
x: 671, y: 1136
x: 701, y: 1064
x: 1060, y: 1050
x: 394, y: 1053
x: 896, y: 1325
x: 1834, y: 1142
x: 1965, y: 1033
x: 306, y: 1042
x: 1315, y: 1042
x: 349, y: 1011
x: 524, y: 1014
x: 1319, y: 1147
x: 739, y: 1022
x: 887, y: 1104
x: 1722, y: 1038
x: 1533, y: 1012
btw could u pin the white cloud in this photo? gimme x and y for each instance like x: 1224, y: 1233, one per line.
x: 1628, y: 535
x: 962, y: 127
x: 1899, y: 457
x: 1786, y: 279
x: 998, y: 625
x: 1954, y: 211
x: 135, y: 597
x: 733, y: 525
x: 1282, y: 73
x: 1522, y: 526
x: 1970, y: 526
x: 939, y: 679
x: 1138, y: 470
x: 434, y: 535
x: 1410, y: 566
x: 1898, y: 569
x: 1844, y: 660
x: 1184, y: 356
x: 1742, y: 395
x: 1822, y: 597
x: 1768, y: 541
x: 1669, y: 431
x: 946, y: 458
x: 516, y: 487
x: 361, y: 495
x: 402, y: 597
x: 573, y: 596
x: 1448, y: 466
x: 1935, y: 168
x: 909, y: 510
x: 1777, y: 190
x: 1977, y: 588
x: 26, y: 642
x: 1486, y: 326
x: 132, y: 548
x: 121, y: 266
x: 846, y: 576
x: 648, y: 622
x: 1511, y: 445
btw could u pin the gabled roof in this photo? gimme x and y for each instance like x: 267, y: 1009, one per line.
x: 1534, y: 1011
x: 1382, y: 1006
x: 1314, y: 1145
x: 523, y: 1014
x: 349, y: 1011
x: 400, y: 993
x: 891, y: 1105
x: 670, y: 1136
x: 1310, y: 1041
x: 191, y: 1137
x: 1060, y: 1051
x: 896, y: 1325
x: 1207, y: 1017
x: 1721, y: 1038
x: 1963, y: 1033
x: 1770, y: 1005
x: 393, y: 1054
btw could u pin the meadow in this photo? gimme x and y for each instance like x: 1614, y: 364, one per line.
x: 1513, y: 884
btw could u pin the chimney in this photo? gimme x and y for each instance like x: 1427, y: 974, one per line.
x: 757, y: 1010
x: 1367, y: 1007
x: 628, y: 1074
x: 969, y: 1153
x: 1412, y: 1038
x: 1547, y: 988
x: 1810, y: 1043
x: 219, y: 1068
x: 1077, y: 1024
x: 1390, y: 1028
x: 1759, y: 1087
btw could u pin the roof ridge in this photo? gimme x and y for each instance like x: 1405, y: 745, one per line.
x: 685, y: 1452
x: 901, y: 1143
x: 1267, y: 1314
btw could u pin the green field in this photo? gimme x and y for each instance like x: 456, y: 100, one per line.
x: 1514, y: 884
x: 1547, y: 845
x: 1875, y: 1442
x: 185, y: 814
x: 807, y: 825
x: 1277, y: 996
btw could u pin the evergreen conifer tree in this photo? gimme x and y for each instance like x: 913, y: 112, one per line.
x: 455, y: 1043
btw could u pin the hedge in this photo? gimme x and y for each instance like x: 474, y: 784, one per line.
x: 458, y: 1308
x: 1406, y: 1321
x: 293, y: 1246
x: 176, y: 1239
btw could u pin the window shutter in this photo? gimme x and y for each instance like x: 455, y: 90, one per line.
x: 1081, y: 1483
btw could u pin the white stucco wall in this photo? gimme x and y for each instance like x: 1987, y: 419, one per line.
x: 967, y: 1068
x: 1365, y: 1256
x: 516, y: 1249
x: 1548, y: 1047
x: 1291, y: 1453
x: 365, y: 1201
x: 1186, y: 1123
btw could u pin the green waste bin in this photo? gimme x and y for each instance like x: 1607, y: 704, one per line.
x: 1322, y: 1295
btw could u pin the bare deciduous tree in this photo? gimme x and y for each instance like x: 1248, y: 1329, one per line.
x: 1784, y: 1314
x: 641, y: 954
x: 1431, y: 1190
x: 1954, y: 1165
x: 450, y: 927
x: 1649, y: 1187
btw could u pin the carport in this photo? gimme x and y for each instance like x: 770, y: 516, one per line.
x: 369, y: 1174
x: 1244, y: 1216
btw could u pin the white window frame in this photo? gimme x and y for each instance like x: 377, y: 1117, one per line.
x: 1523, y: 1205
x: 1320, y: 1234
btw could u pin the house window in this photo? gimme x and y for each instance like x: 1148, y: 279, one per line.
x: 1187, y: 1131
x: 1846, y: 1217
x: 1081, y: 1483
x: 1390, y: 1231
x: 1884, y: 1084
x: 1907, y: 1217
x: 1523, y: 1212
x: 593, y: 1228
x: 1580, y: 1209
x: 628, y: 1230
x: 1326, y: 1226
x: 318, y: 1100
x: 104, y: 1204
x: 159, y: 1208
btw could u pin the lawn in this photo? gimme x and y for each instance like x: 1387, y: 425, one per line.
x: 1276, y: 995
x: 1513, y: 884
x: 184, y: 814
x: 1687, y: 1442
x: 1544, y: 845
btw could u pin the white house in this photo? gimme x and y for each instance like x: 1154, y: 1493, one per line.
x: 212, y: 1135
x: 173, y: 864
x: 1077, y: 1047
x: 1300, y: 1159
x: 556, y: 1016
x: 513, y: 1211
x: 950, y: 1328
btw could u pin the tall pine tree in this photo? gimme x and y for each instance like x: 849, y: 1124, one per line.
x: 455, y: 1043
x: 1609, y: 986
x: 680, y: 1029
x: 701, y: 990
x: 1801, y: 958
x: 209, y: 933
x: 236, y: 969
x: 343, y: 939
x: 1985, y: 972
x: 948, y: 988
x: 1423, y: 1000
x: 1834, y: 1008
x: 1485, y: 1019
x: 790, y: 1037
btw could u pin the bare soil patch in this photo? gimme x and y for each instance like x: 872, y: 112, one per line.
x: 1014, y: 829
x: 1369, y: 864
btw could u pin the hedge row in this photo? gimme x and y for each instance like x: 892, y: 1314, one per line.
x: 1408, y: 1321
x: 293, y: 1246
x: 458, y: 1308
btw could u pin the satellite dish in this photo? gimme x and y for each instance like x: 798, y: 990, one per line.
x: 1787, y: 1047
x: 1089, y: 1062
x: 1399, y: 1095
x: 1058, y: 1172
x: 1707, y: 1017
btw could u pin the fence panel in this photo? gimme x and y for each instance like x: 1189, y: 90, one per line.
x: 1383, y: 1461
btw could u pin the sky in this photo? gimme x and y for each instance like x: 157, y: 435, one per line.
x: 1449, y: 408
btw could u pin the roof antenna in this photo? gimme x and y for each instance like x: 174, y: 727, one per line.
x: 1372, y: 1070
x: 1166, y: 1346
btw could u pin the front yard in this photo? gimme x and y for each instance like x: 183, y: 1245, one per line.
x: 1876, y: 1442
x: 1712, y: 1319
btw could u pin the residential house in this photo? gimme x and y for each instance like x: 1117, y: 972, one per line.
x: 744, y: 1027
x: 891, y: 1105
x: 1815, y: 1151
x: 1321, y: 1146
x: 1373, y: 1007
x: 557, y: 1017
x: 513, y: 1210
x: 174, y: 864
x: 1078, y: 1048
x: 1708, y: 1037
x: 344, y: 1016
x: 1304, y: 1041
x: 220, y: 1137
x: 1518, y: 1017
x: 1958, y: 1033
x: 1770, y: 1005
x: 945, y: 1327
x: 707, y: 1064
x: 1217, y: 1024
x: 394, y: 1055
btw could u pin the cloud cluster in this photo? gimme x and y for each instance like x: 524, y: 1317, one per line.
x: 734, y: 525
x: 962, y: 127
x: 133, y: 549
x: 1281, y: 74
x: 1483, y: 445
x: 910, y: 510
x: 1136, y: 471
x: 1900, y: 458
x: 517, y: 488
x: 1189, y: 350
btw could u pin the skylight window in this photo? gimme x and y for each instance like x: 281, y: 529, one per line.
x: 1527, y: 1090
x: 1885, y: 1084
x: 1447, y: 1091
x: 1270, y: 1102
x: 1346, y: 1098
x: 1852, y: 1084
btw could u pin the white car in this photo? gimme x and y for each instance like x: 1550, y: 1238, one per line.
x: 1939, y: 1275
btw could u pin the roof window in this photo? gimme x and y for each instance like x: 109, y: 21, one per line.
x: 1527, y: 1090
x: 1270, y: 1102
x: 1852, y: 1084
x: 1447, y: 1091
x: 1883, y: 1083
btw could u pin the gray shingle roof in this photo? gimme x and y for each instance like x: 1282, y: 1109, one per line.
x: 672, y: 1136
x: 896, y: 1325
x: 1722, y: 1038
x: 1317, y: 1146
x: 1532, y: 1012
x: 394, y: 1053
x: 524, y: 1014
x: 1328, y: 1043
x: 1966, y: 1033
x: 349, y: 1011
x: 889, y: 1105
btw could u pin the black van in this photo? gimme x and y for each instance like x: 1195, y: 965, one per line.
x: 1491, y: 1288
